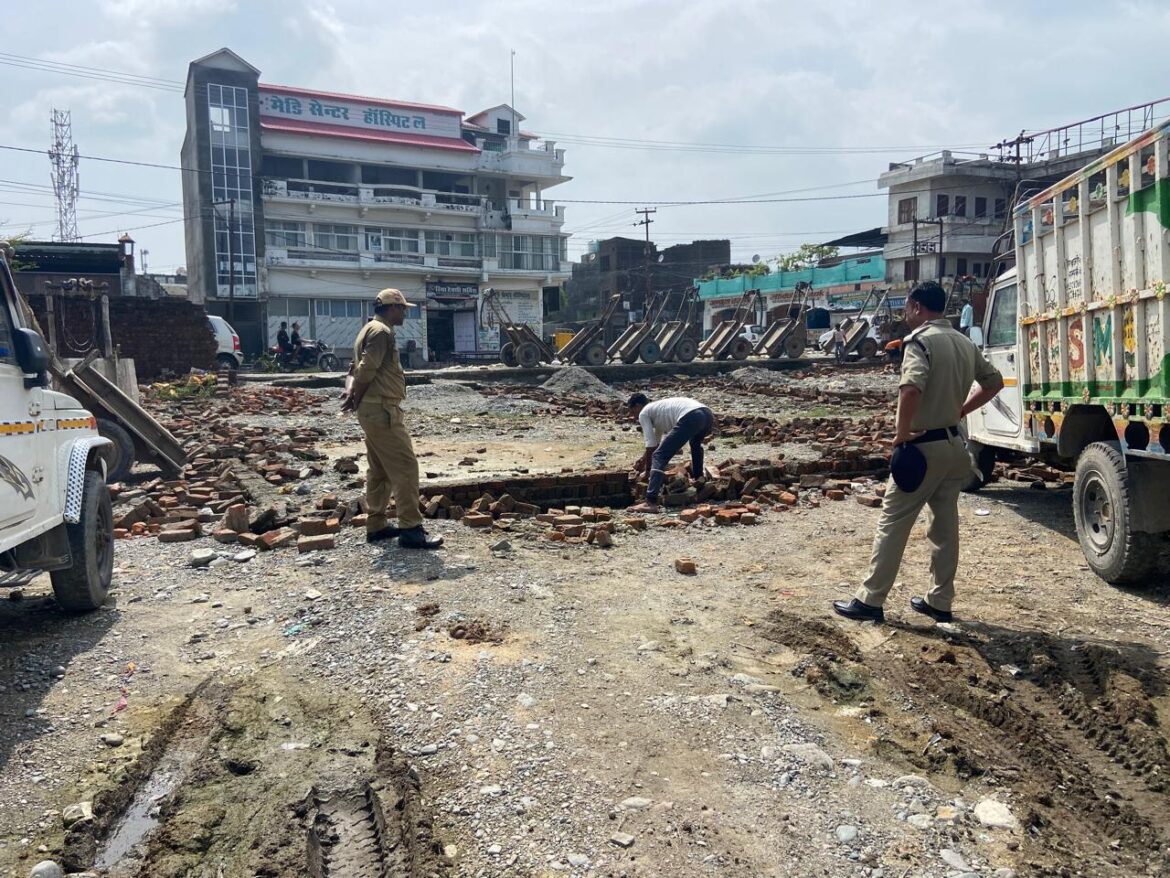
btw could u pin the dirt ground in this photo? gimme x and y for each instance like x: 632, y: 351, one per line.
x: 515, y: 706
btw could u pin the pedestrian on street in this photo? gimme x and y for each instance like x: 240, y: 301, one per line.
x: 667, y: 426
x: 376, y: 394
x: 939, y: 365
x: 966, y: 318
x: 839, y: 343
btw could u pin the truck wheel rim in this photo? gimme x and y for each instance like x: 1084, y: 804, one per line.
x: 1097, y: 514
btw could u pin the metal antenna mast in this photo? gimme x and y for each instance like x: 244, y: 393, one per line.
x: 63, y: 155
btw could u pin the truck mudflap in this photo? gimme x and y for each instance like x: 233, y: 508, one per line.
x: 75, y: 467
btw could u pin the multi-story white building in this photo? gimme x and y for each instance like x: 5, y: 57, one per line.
x: 302, y: 204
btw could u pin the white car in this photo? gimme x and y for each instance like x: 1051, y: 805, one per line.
x: 752, y: 333
x: 55, y: 512
x: 227, y: 342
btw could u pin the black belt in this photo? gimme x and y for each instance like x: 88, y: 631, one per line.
x: 936, y: 435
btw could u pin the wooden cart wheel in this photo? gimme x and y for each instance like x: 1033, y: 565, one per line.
x: 740, y: 349
x: 867, y: 349
x: 793, y: 346
x: 686, y: 350
x: 508, y: 355
x: 595, y: 354
x: 649, y: 351
x: 527, y: 355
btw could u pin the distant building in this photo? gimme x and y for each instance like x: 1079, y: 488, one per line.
x: 302, y: 204
x: 618, y: 266
x: 43, y: 265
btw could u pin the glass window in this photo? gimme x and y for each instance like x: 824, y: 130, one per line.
x: 961, y: 267
x: 285, y: 234
x: 461, y: 244
x: 1000, y: 208
x: 910, y: 270
x: 907, y: 210
x: 960, y: 205
x: 328, y: 236
x: 942, y: 205
x: 1001, y: 331
x: 392, y: 240
x: 980, y: 206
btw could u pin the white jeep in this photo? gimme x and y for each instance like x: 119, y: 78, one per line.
x: 55, y: 512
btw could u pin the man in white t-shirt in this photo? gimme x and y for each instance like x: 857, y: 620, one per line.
x: 668, y: 425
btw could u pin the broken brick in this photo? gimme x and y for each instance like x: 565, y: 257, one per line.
x: 176, y: 536
x: 278, y: 539
x: 635, y: 523
x: 726, y: 516
x: 477, y: 519
x: 748, y: 518
x: 867, y: 500
x: 686, y: 566
x: 315, y: 543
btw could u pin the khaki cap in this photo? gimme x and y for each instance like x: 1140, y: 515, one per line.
x: 391, y: 296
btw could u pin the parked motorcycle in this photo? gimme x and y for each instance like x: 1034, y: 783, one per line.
x: 312, y: 354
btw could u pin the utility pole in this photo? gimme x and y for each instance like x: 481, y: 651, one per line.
x: 515, y: 131
x: 645, y: 221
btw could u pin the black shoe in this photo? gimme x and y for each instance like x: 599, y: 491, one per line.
x: 417, y: 538
x: 919, y: 605
x: 858, y: 611
x: 386, y: 533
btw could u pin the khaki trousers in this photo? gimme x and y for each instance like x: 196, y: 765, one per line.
x: 948, y: 470
x: 392, y: 465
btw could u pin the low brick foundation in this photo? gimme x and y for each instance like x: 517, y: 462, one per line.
x: 607, y: 488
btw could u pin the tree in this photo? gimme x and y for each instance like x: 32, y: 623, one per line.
x: 806, y: 257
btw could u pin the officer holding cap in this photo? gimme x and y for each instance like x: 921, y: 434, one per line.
x: 931, y: 465
x: 376, y: 393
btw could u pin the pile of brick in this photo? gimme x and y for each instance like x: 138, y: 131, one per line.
x: 1039, y: 475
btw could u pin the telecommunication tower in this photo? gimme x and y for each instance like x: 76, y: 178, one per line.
x: 63, y: 155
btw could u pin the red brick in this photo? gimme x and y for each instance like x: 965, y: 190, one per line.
x: 635, y: 523
x: 835, y: 494
x: 686, y: 566
x: 358, y: 520
x: 726, y: 516
x: 312, y: 527
x: 572, y: 530
x: 121, y: 533
x: 477, y: 519
x: 278, y: 539
x: 568, y: 519
x: 315, y: 543
x: 866, y: 500
x: 177, y: 536
x: 224, y: 535
x: 599, y: 536
x: 249, y: 539
x: 748, y: 518
x: 554, y: 536
x: 788, y: 498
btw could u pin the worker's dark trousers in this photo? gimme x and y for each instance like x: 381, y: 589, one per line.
x: 693, y: 427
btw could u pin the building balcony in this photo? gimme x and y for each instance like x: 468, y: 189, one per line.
x: 523, y: 158
x: 543, y: 218
x: 368, y: 195
x: 310, y: 257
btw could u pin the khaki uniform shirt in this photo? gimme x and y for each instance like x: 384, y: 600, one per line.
x: 943, y: 364
x: 375, y: 353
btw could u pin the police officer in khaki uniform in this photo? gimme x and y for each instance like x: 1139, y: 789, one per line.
x: 376, y: 394
x: 939, y: 366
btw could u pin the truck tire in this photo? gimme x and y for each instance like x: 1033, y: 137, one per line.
x: 85, y: 584
x: 985, y: 462
x: 685, y: 350
x: 1104, y: 517
x: 121, y: 456
x: 508, y: 355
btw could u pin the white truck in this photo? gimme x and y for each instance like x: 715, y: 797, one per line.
x: 1080, y: 329
x: 55, y: 512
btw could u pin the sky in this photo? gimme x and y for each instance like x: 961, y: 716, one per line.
x: 653, y: 101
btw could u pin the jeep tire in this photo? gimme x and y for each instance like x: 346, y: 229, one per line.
x: 84, y: 585
x: 121, y: 456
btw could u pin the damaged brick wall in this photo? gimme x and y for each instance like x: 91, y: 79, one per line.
x: 161, y: 335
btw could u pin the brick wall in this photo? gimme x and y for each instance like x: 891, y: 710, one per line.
x: 586, y: 489
x: 161, y: 335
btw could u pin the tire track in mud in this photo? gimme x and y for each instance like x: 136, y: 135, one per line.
x: 288, y: 783
x: 1071, y: 726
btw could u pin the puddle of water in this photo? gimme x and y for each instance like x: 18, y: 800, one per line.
x: 141, y: 817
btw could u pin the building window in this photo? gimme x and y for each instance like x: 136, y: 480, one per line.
x: 980, y: 206
x: 392, y: 240
x: 960, y: 205
x: 910, y: 270
x: 456, y: 244
x: 907, y: 211
x: 231, y: 190
x: 335, y: 237
x: 285, y: 234
x: 942, y: 205
x: 942, y: 266
x: 489, y: 246
x: 961, y: 267
x: 503, y: 126
x: 531, y: 253
x: 1000, y: 208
